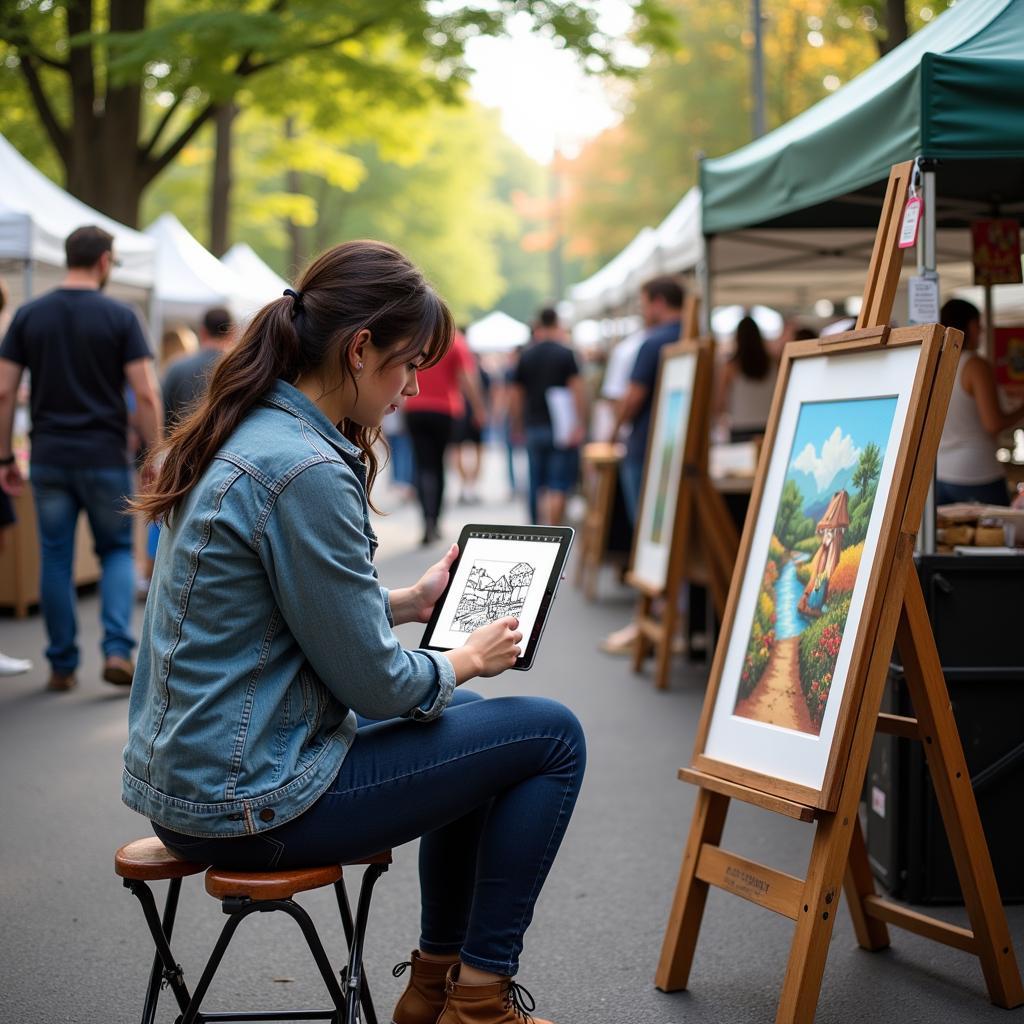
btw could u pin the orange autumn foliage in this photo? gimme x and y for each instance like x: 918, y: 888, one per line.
x: 845, y: 574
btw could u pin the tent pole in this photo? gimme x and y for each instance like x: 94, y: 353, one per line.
x: 704, y: 286
x: 990, y: 347
x: 28, y: 277
x: 926, y: 260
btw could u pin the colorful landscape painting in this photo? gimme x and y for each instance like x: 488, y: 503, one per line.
x: 671, y: 428
x: 813, y: 560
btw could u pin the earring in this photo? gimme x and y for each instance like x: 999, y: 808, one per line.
x: 359, y: 370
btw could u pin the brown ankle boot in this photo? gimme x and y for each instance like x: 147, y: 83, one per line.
x: 423, y: 998
x: 504, y: 1002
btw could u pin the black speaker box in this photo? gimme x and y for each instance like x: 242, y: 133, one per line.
x: 976, y: 605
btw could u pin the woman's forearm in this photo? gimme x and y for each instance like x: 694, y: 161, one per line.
x: 405, y: 605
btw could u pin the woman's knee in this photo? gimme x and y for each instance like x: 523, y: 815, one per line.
x: 554, y: 719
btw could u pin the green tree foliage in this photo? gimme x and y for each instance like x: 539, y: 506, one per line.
x: 869, y: 466
x: 119, y: 88
x: 695, y: 99
x: 791, y: 525
x: 889, y: 22
x: 444, y: 197
x: 865, y: 479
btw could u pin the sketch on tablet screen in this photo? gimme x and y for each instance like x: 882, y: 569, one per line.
x: 492, y: 591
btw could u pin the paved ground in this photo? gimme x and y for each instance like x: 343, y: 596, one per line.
x: 73, y: 946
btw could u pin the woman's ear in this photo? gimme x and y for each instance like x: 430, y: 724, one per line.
x: 357, y: 351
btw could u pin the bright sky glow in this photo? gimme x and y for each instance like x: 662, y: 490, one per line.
x: 545, y: 98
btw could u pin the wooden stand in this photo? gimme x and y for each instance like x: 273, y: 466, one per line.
x: 839, y: 857
x: 600, y: 478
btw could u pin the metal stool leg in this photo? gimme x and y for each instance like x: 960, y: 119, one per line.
x: 164, y: 964
x: 347, y: 924
x: 191, y: 1012
x: 354, y: 972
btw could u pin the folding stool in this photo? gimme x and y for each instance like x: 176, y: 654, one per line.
x: 241, y: 894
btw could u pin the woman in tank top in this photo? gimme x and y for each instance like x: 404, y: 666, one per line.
x: 746, y: 384
x: 967, y: 467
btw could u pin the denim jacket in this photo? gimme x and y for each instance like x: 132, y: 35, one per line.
x: 265, y: 628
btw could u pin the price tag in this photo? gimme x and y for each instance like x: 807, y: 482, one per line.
x: 923, y: 299
x: 911, y: 222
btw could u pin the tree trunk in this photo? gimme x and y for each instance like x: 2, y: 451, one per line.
x: 896, y: 26
x: 293, y: 184
x: 103, y: 164
x: 220, y: 190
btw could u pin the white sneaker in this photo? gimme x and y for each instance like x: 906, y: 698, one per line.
x: 13, y: 666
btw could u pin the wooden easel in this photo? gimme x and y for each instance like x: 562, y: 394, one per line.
x: 704, y: 539
x: 839, y: 855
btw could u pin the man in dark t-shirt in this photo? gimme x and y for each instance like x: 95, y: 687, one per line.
x: 82, y: 350
x: 187, y: 379
x: 548, y: 404
x: 661, y: 305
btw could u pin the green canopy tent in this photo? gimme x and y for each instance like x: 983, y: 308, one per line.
x: 801, y: 203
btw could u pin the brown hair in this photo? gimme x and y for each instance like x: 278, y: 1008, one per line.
x: 84, y: 246
x: 666, y: 288
x: 353, y: 287
x: 751, y: 354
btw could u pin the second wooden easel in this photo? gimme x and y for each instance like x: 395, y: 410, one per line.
x: 839, y: 857
x: 703, y: 539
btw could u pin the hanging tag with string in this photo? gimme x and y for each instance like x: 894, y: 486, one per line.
x: 913, y: 210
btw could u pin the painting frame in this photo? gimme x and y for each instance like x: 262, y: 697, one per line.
x: 928, y: 340
x: 657, y: 554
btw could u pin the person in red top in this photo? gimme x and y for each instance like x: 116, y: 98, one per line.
x: 430, y: 417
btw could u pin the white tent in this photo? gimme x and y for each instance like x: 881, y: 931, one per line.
x: 36, y: 216
x: 497, y: 332
x: 190, y: 279
x: 261, y: 280
x: 675, y: 246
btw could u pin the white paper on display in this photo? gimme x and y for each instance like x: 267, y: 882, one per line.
x: 650, y: 560
x: 923, y: 299
x: 562, y: 410
x: 503, y: 551
x: 773, y: 750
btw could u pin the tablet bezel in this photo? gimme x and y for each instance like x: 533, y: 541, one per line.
x: 529, y: 646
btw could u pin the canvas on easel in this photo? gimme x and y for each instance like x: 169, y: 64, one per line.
x: 683, y: 532
x: 824, y: 585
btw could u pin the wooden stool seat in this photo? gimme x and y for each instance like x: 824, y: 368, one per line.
x: 278, y: 885
x: 148, y: 860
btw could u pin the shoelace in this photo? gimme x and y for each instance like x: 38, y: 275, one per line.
x: 399, y: 969
x: 520, y: 1001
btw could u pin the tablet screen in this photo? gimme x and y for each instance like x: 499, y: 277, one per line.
x: 500, y: 571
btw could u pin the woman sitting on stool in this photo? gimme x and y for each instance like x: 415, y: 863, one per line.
x: 275, y: 721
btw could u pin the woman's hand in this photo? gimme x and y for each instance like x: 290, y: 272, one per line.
x: 416, y: 603
x: 489, y: 650
x: 496, y: 645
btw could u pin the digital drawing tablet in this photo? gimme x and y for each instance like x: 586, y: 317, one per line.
x: 500, y: 571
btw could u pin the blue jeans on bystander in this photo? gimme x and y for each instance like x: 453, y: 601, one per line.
x: 490, y: 786
x: 61, y: 492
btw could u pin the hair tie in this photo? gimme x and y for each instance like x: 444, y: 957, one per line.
x: 297, y: 307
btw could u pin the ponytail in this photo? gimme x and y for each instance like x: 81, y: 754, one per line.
x: 352, y: 287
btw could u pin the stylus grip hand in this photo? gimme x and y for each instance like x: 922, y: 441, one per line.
x: 496, y: 645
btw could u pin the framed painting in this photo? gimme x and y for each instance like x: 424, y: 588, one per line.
x: 676, y: 439
x: 827, y: 507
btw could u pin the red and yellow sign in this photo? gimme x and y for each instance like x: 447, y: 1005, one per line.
x: 1009, y: 357
x: 996, y: 244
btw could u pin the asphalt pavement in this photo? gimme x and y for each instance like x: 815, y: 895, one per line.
x: 74, y: 947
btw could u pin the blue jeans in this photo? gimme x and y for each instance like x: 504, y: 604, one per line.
x: 490, y: 786
x: 551, y: 468
x: 60, y: 494
x: 631, y: 477
x: 994, y: 492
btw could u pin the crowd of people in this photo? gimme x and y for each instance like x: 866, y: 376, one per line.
x: 96, y: 409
